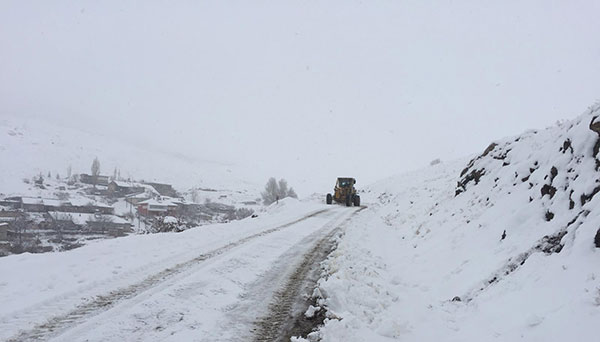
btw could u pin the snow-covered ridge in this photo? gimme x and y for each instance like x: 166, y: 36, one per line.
x: 500, y: 249
x: 558, y: 165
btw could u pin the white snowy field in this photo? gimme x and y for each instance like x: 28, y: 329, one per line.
x: 164, y: 286
x: 419, y: 245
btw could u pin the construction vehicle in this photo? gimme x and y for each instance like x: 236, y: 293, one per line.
x: 344, y: 192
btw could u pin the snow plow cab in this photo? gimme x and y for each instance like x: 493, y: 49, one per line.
x: 344, y: 192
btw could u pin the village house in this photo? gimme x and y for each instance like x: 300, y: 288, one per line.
x: 89, y: 179
x: 11, y: 202
x: 42, y: 205
x: 4, y: 244
x: 125, y: 188
x: 63, y: 219
x: 94, y: 223
x: 163, y: 189
x: 153, y: 207
x: 34, y: 205
x: 135, y: 199
x: 3, y: 231
x: 9, y: 215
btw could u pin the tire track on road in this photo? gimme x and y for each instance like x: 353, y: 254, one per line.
x: 285, y: 317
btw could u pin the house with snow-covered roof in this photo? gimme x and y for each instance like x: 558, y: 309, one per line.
x: 163, y: 189
x: 76, y: 204
x: 89, y: 179
x: 117, y: 187
x: 154, y: 207
x: 95, y: 222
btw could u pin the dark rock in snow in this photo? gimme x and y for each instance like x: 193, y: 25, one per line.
x: 567, y: 145
x: 586, y: 198
x: 474, y: 176
x: 489, y: 149
x: 549, y: 216
x: 597, y: 239
x: 552, y: 243
x: 553, y: 173
x: 595, y: 125
x: 548, y: 190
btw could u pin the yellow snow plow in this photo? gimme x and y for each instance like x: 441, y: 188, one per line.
x: 344, y: 192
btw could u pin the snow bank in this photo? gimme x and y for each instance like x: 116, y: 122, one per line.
x: 427, y: 261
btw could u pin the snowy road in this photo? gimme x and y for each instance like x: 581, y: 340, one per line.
x: 222, y: 284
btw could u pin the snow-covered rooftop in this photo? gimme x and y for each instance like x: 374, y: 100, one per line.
x: 165, y: 203
x: 83, y: 218
x: 126, y: 184
x: 30, y: 200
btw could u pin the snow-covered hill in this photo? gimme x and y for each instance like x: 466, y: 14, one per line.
x: 428, y: 262
x: 30, y: 147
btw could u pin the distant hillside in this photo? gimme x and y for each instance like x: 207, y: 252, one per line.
x: 29, y: 147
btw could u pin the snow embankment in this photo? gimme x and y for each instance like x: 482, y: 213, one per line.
x: 502, y: 249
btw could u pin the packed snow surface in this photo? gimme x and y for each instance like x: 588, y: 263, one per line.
x: 205, y: 284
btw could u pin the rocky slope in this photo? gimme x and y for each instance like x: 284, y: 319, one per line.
x: 502, y: 249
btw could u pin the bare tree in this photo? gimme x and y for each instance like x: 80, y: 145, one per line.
x: 19, y: 226
x: 277, y: 190
x: 291, y: 193
x: 271, y: 191
x: 194, y: 196
x: 95, y: 171
x: 283, y: 188
x: 69, y: 172
x: 39, y: 181
x: 59, y: 222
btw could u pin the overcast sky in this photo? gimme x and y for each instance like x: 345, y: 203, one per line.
x: 302, y: 89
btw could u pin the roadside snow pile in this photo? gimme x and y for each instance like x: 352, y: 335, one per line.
x: 503, y: 249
